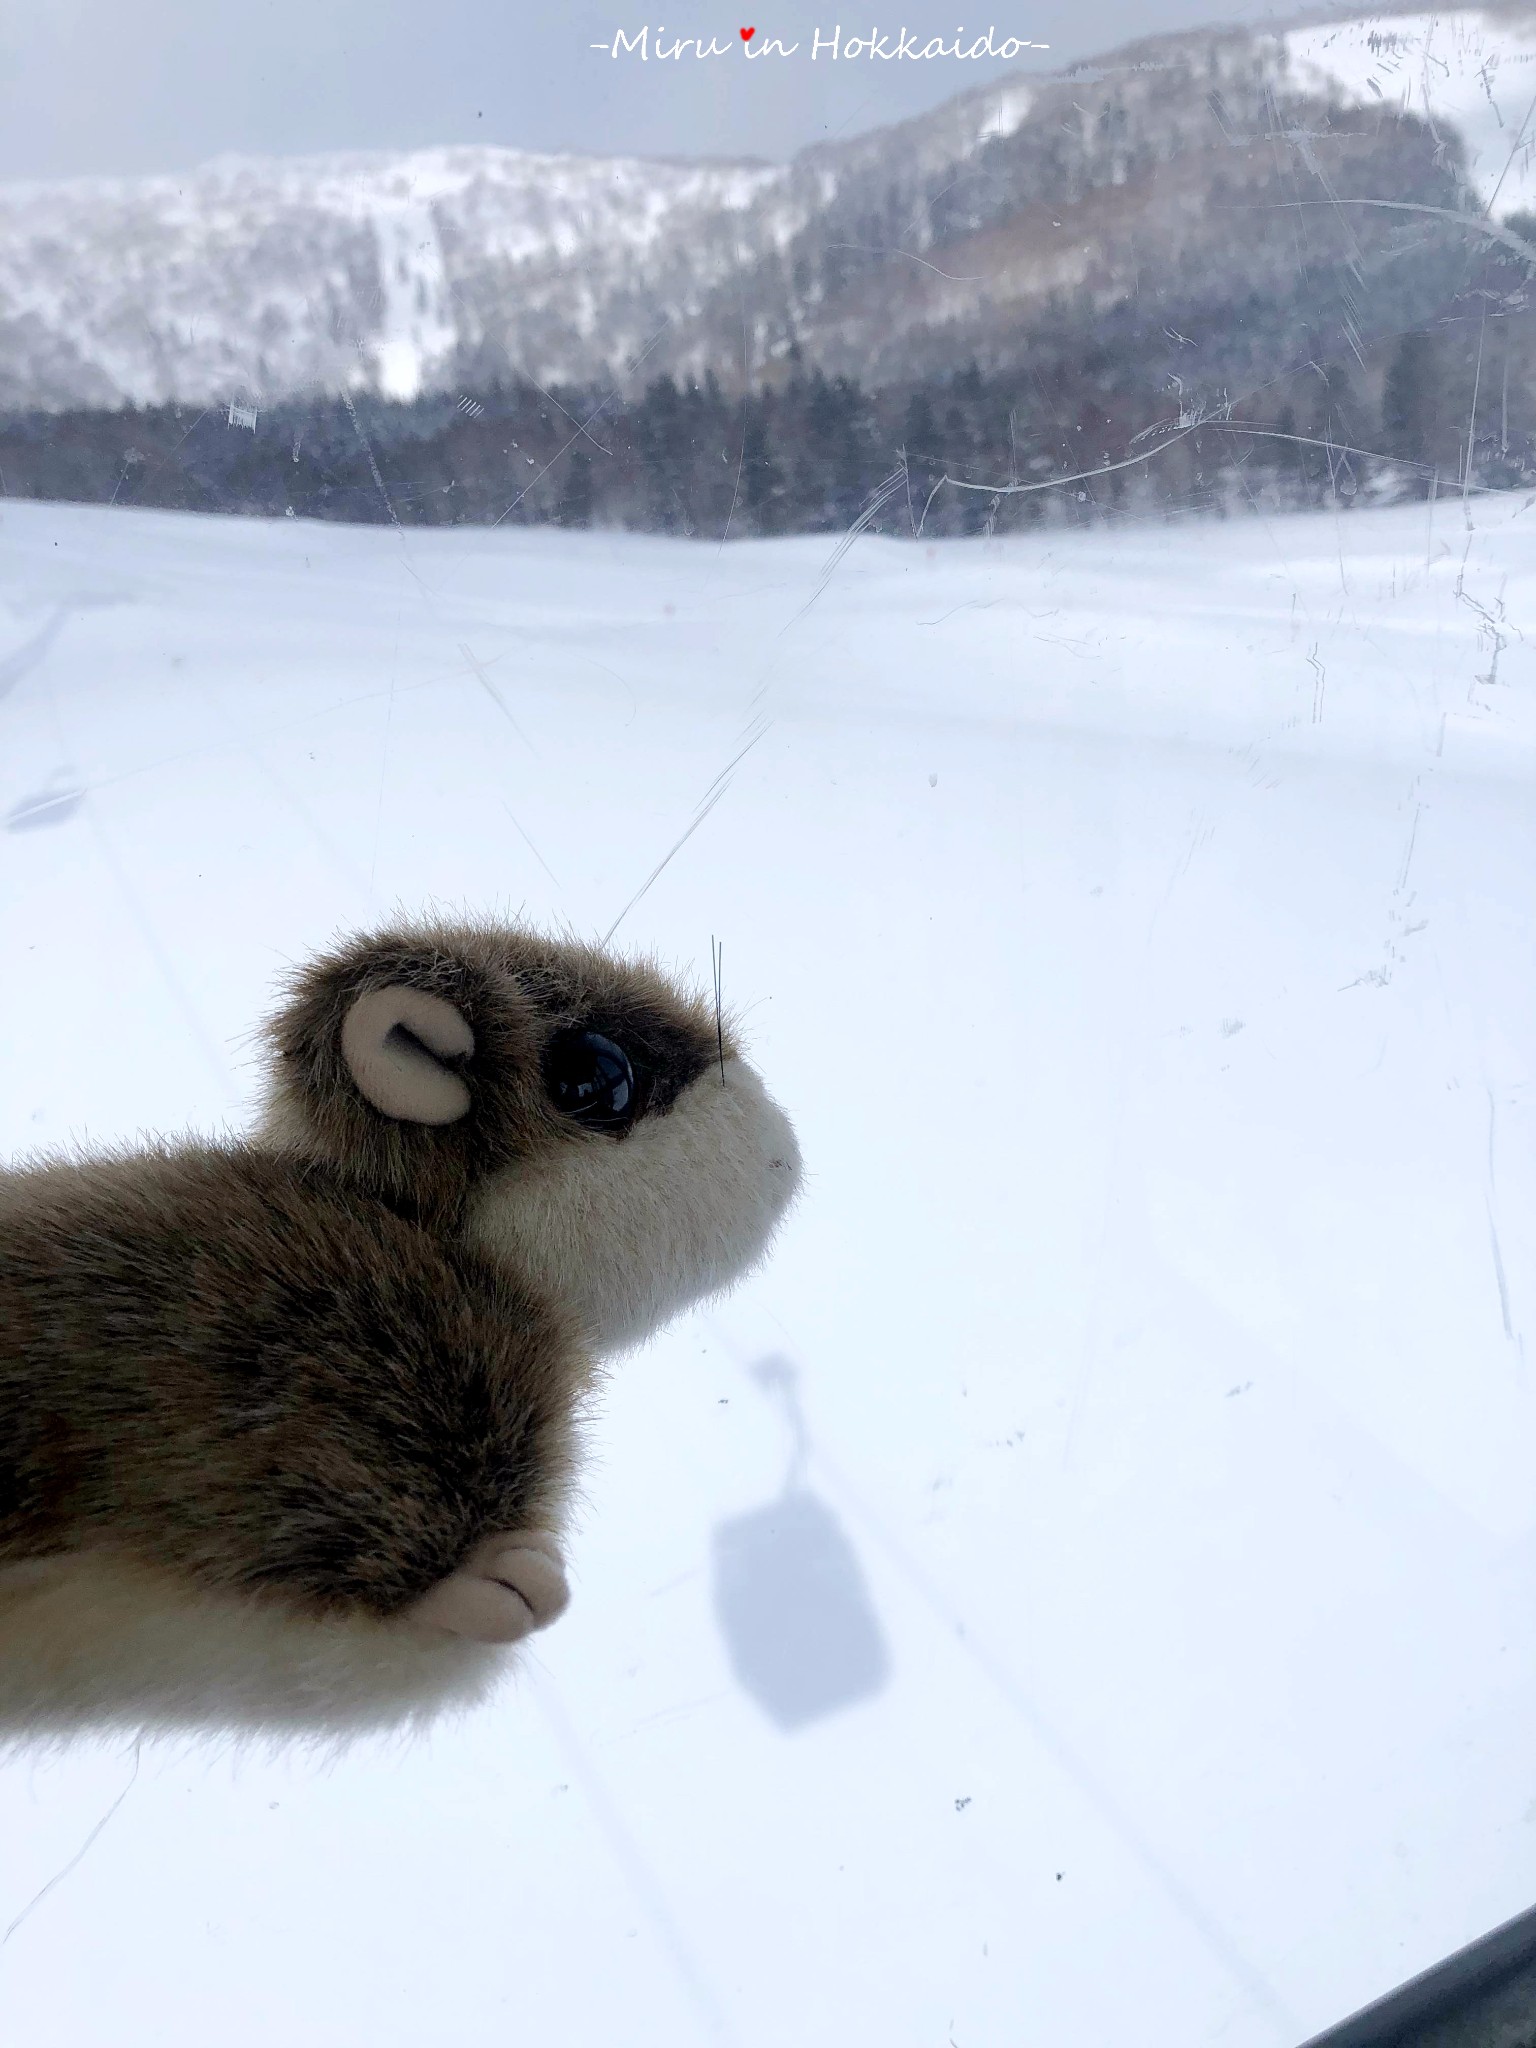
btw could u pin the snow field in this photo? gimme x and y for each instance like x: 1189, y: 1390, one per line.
x: 1138, y: 925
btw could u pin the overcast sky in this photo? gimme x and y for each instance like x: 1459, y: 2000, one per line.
x: 142, y: 85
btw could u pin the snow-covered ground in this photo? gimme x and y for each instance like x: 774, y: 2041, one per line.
x: 1140, y: 927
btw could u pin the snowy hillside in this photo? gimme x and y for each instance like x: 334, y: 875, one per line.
x: 1468, y: 71
x: 269, y: 276
x: 451, y: 266
x: 1140, y: 926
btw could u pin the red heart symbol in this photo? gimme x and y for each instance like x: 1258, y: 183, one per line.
x: 746, y: 34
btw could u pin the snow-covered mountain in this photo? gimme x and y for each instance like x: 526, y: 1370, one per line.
x: 1170, y: 171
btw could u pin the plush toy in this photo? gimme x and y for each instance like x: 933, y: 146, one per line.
x: 288, y: 1425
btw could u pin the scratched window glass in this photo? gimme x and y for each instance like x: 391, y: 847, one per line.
x: 1004, y: 553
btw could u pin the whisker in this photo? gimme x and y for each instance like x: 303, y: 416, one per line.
x: 717, y: 958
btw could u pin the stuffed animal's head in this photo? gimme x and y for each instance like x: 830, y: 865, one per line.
x: 579, y: 1119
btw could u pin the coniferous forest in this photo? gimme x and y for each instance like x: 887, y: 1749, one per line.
x: 1079, y: 431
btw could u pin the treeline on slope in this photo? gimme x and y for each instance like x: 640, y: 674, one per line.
x: 1079, y: 434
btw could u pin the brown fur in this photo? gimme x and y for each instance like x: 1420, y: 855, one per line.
x: 430, y: 1170
x: 278, y: 1369
x: 236, y: 1367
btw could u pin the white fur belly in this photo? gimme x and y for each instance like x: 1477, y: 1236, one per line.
x: 94, y: 1641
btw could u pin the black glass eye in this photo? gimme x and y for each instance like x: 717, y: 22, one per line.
x: 590, y: 1079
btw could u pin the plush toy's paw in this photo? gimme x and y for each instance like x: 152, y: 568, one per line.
x: 506, y: 1588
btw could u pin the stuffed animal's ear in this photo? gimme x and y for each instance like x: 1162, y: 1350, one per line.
x: 395, y: 1042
